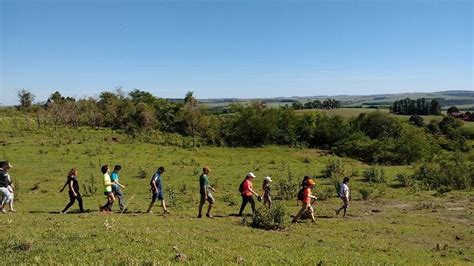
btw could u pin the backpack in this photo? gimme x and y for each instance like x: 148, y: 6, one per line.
x: 301, y: 194
x: 338, y: 185
x: 241, y: 187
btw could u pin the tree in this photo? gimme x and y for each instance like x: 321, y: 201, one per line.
x: 26, y: 98
x: 192, y: 115
x: 416, y: 120
x: 435, y: 108
x: 452, y: 109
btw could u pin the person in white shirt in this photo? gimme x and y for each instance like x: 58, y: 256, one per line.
x: 344, y: 195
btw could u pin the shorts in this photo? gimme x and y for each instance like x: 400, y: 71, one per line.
x: 108, y: 193
x: 210, y: 198
x: 158, y: 195
x: 345, y: 202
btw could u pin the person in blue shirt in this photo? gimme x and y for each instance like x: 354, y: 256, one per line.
x: 157, y: 188
x: 117, y: 187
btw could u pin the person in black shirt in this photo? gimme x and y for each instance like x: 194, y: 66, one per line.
x: 74, y: 193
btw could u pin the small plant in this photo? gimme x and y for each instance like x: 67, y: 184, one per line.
x: 231, y: 201
x: 22, y: 246
x: 171, y: 196
x: 270, y: 219
x: 287, y: 188
x: 334, y: 169
x: 183, y: 189
x: 89, y: 187
x: 306, y: 160
x: 142, y: 173
x: 325, y: 193
x: 374, y: 175
x: 405, y: 180
x: 365, y: 193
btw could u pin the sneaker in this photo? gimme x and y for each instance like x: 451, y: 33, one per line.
x: 61, y: 212
x: 199, y: 216
x: 209, y: 215
x: 3, y: 211
x: 166, y: 212
x: 12, y: 210
x: 337, y: 212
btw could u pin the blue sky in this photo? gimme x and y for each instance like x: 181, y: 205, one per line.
x: 238, y: 49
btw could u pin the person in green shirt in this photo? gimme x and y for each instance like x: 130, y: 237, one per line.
x: 205, y: 191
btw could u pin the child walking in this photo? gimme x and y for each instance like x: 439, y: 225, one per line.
x: 107, y: 190
x: 267, y: 199
x: 307, y: 202
x: 157, y: 190
x: 204, y: 190
x: 117, y: 187
x: 344, y: 195
x: 73, y: 184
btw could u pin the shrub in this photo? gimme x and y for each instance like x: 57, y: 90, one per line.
x: 270, y: 219
x: 446, y: 173
x: 405, y: 180
x: 89, y: 187
x: 142, y: 173
x: 365, y: 193
x: 171, y: 196
x: 287, y: 189
x: 325, y: 193
x: 374, y: 174
x: 334, y: 169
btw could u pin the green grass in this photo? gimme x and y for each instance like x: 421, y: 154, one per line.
x: 411, y: 227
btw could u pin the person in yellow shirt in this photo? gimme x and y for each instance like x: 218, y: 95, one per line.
x: 107, y: 189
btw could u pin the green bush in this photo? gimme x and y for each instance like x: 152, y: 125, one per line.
x: 366, y: 193
x: 374, y: 174
x: 270, y: 219
x: 405, y: 180
x: 446, y: 172
x: 287, y: 189
x: 334, y: 169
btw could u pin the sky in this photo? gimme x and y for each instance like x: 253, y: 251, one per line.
x: 235, y: 48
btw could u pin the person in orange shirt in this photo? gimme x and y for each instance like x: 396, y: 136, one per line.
x: 246, y: 191
x: 307, y: 202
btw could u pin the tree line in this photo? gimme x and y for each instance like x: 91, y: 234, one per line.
x: 420, y: 106
x: 317, y: 104
x: 374, y: 137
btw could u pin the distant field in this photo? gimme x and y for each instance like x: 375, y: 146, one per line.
x: 400, y: 226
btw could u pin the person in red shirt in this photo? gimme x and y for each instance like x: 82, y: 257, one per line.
x: 246, y: 191
x: 307, y: 202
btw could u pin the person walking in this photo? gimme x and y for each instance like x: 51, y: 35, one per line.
x: 344, y: 195
x: 156, y: 184
x: 205, y: 191
x: 107, y: 189
x: 117, y: 187
x: 307, y: 202
x: 267, y: 199
x: 246, y: 191
x: 6, y: 187
x: 73, y: 184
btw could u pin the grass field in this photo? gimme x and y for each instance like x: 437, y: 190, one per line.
x: 399, y: 227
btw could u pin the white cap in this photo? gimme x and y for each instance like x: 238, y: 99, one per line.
x: 251, y: 174
x: 269, y: 179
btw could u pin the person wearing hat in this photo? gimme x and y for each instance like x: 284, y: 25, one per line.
x: 246, y: 191
x: 307, y: 202
x: 205, y: 191
x: 6, y: 186
x: 267, y: 199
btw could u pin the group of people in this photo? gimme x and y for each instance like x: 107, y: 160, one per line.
x: 113, y: 190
